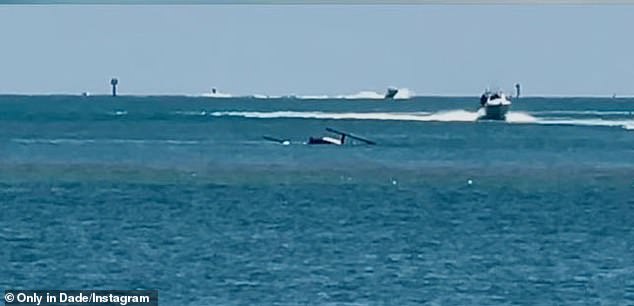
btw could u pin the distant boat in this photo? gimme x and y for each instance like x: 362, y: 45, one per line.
x: 391, y: 93
x: 495, y: 105
x: 214, y: 93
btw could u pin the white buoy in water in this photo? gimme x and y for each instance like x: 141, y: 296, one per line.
x: 469, y: 181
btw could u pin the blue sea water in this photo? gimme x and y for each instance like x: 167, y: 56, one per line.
x: 182, y: 194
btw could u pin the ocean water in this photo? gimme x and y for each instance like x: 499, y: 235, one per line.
x: 182, y: 194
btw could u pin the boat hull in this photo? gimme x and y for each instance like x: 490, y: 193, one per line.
x: 495, y: 112
x: 391, y: 93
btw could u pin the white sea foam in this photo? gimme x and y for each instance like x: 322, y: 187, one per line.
x: 312, y: 97
x: 363, y: 95
x: 403, y: 93
x: 118, y: 113
x: 56, y: 141
x: 325, y: 115
x: 520, y: 117
x: 444, y: 116
x: 258, y: 96
x: 441, y: 116
x: 217, y: 94
x: 191, y: 113
x: 626, y: 124
x: 585, y: 112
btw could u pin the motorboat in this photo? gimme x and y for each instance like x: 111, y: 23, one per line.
x: 391, y: 93
x: 495, y: 105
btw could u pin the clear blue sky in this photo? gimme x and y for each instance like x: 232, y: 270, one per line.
x: 289, y: 49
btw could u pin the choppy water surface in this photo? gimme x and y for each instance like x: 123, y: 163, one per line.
x: 183, y: 195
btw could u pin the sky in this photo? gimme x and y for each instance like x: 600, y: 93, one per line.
x: 455, y: 50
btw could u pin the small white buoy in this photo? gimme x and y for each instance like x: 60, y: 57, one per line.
x: 394, y: 182
x: 469, y: 182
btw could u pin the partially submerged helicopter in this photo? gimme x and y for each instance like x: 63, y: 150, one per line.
x: 325, y: 140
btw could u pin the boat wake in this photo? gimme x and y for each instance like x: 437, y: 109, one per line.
x: 216, y: 95
x: 464, y: 116
x: 402, y: 94
x: 584, y: 113
x: 626, y: 124
x: 441, y: 116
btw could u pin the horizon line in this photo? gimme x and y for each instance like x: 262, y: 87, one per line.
x: 302, y: 97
